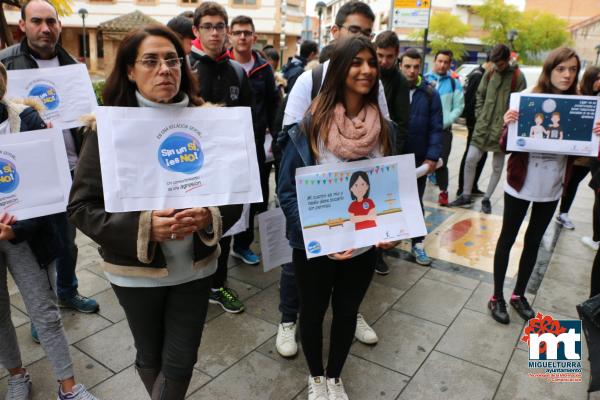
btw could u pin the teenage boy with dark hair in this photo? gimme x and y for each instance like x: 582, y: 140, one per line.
x: 396, y: 91
x: 222, y: 81
x: 309, y: 51
x: 453, y: 103
x: 493, y: 97
x: 354, y: 18
x: 262, y: 81
x: 183, y: 27
x: 424, y: 130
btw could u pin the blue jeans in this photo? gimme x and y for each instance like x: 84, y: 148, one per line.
x: 289, y: 303
x: 66, y: 280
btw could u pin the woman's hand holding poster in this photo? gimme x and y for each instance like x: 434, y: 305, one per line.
x: 154, y: 159
x: 554, y: 124
x: 350, y: 205
x: 34, y: 174
x: 64, y: 93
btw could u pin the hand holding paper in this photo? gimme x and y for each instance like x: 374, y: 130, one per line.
x: 162, y: 220
x: 193, y: 218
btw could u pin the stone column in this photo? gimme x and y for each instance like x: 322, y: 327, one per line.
x: 93, y: 50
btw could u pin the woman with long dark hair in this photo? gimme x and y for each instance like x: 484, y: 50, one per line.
x: 159, y: 262
x: 535, y: 179
x: 344, y: 123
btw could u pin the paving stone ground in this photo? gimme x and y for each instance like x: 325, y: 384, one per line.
x: 437, y: 340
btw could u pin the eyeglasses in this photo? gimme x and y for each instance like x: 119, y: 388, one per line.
x: 209, y: 27
x: 240, y: 33
x: 355, y: 30
x: 153, y: 63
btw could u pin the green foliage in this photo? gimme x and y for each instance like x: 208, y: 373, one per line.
x: 538, y: 32
x: 444, y: 30
x: 98, y: 87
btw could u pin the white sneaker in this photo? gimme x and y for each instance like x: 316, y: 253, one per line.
x: 364, y: 333
x: 565, y: 221
x: 335, y: 387
x: 19, y: 387
x: 286, y: 339
x: 79, y: 393
x: 317, y: 388
x: 588, y: 241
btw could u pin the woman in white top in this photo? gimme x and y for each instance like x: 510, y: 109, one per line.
x: 535, y: 179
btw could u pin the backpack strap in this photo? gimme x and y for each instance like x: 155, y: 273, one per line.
x: 239, y: 70
x: 317, y: 78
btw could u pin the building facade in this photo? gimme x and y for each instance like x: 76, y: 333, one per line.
x: 267, y: 16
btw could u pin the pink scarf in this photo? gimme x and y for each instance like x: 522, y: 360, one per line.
x: 353, y: 138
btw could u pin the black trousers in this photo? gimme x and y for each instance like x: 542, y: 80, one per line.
x: 514, y: 214
x: 595, y: 285
x: 421, y: 183
x: 345, y: 283
x: 441, y: 174
x: 577, y: 174
x: 480, y: 164
x: 166, y: 324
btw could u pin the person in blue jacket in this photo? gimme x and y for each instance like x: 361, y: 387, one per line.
x: 453, y: 104
x: 424, y: 138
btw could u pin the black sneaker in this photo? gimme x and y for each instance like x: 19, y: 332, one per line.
x: 521, y: 305
x: 381, y: 266
x: 498, y: 309
x: 486, y: 206
x: 462, y: 201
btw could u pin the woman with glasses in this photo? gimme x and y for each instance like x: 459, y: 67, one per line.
x: 159, y: 262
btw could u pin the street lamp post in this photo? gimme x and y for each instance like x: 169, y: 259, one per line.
x: 597, y: 53
x: 83, y: 13
x: 512, y: 36
x: 320, y: 6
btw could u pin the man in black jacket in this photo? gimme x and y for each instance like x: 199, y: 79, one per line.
x: 40, y: 49
x: 262, y: 81
x: 222, y: 81
x: 471, y: 85
x: 309, y: 50
x: 395, y: 87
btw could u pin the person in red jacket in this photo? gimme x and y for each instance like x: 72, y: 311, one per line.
x: 362, y: 209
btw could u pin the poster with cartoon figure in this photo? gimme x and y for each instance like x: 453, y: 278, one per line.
x: 153, y: 159
x: 554, y: 124
x: 34, y: 174
x: 64, y: 93
x: 356, y: 204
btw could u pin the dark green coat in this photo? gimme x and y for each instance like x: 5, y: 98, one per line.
x: 493, y: 96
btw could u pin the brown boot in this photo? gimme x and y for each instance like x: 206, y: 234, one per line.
x: 168, y: 389
x: 148, y: 377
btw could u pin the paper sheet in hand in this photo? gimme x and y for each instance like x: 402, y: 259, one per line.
x: 153, y: 159
x: 242, y: 224
x: 554, y: 124
x: 34, y: 173
x: 65, y: 92
x: 274, y: 246
x: 381, y: 205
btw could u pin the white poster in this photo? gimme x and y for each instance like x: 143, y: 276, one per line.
x: 274, y: 246
x: 34, y: 173
x: 350, y: 205
x: 65, y: 92
x: 554, y: 124
x: 153, y: 159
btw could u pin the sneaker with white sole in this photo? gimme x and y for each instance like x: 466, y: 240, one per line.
x: 588, y: 241
x: 317, y: 388
x: 564, y: 220
x: 364, y: 333
x: 286, y: 339
x: 420, y: 255
x: 79, y: 393
x: 19, y: 387
x: 336, y: 390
